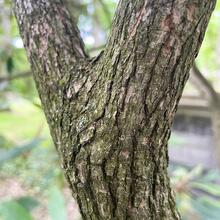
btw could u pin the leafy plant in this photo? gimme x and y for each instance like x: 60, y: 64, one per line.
x: 12, y: 210
x: 18, y: 150
x: 56, y: 204
x: 198, y: 192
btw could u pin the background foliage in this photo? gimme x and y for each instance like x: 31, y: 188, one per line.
x: 27, y: 155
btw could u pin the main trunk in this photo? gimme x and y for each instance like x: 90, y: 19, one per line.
x: 110, y: 116
x: 118, y: 167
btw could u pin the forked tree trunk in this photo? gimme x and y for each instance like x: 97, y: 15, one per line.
x: 110, y: 116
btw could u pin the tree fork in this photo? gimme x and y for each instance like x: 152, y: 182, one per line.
x: 110, y: 116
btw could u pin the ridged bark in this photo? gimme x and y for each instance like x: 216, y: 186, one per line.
x: 110, y: 116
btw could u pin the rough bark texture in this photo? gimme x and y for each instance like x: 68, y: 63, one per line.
x: 110, y: 116
x: 209, y: 93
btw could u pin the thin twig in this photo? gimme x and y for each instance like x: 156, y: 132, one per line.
x: 13, y: 77
x: 203, y: 85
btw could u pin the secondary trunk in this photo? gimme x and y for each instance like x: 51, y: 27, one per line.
x: 110, y: 116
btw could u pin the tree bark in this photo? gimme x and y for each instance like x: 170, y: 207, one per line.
x: 110, y: 116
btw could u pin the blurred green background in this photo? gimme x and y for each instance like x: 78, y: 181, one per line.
x: 32, y: 185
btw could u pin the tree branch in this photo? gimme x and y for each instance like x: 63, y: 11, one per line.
x: 153, y: 36
x: 135, y: 18
x: 203, y: 85
x: 17, y: 76
x: 50, y: 37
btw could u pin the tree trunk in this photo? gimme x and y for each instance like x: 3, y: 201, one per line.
x: 110, y: 116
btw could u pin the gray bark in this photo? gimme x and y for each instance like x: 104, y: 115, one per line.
x: 110, y: 116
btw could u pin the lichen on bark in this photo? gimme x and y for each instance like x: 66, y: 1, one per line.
x: 110, y: 117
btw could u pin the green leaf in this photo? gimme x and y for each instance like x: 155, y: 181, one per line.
x: 211, y: 175
x: 11, y: 210
x: 208, y: 209
x: 10, y: 65
x: 17, y: 151
x: 27, y: 202
x: 209, y: 202
x: 56, y: 204
x: 210, y: 188
x: 25, y: 118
